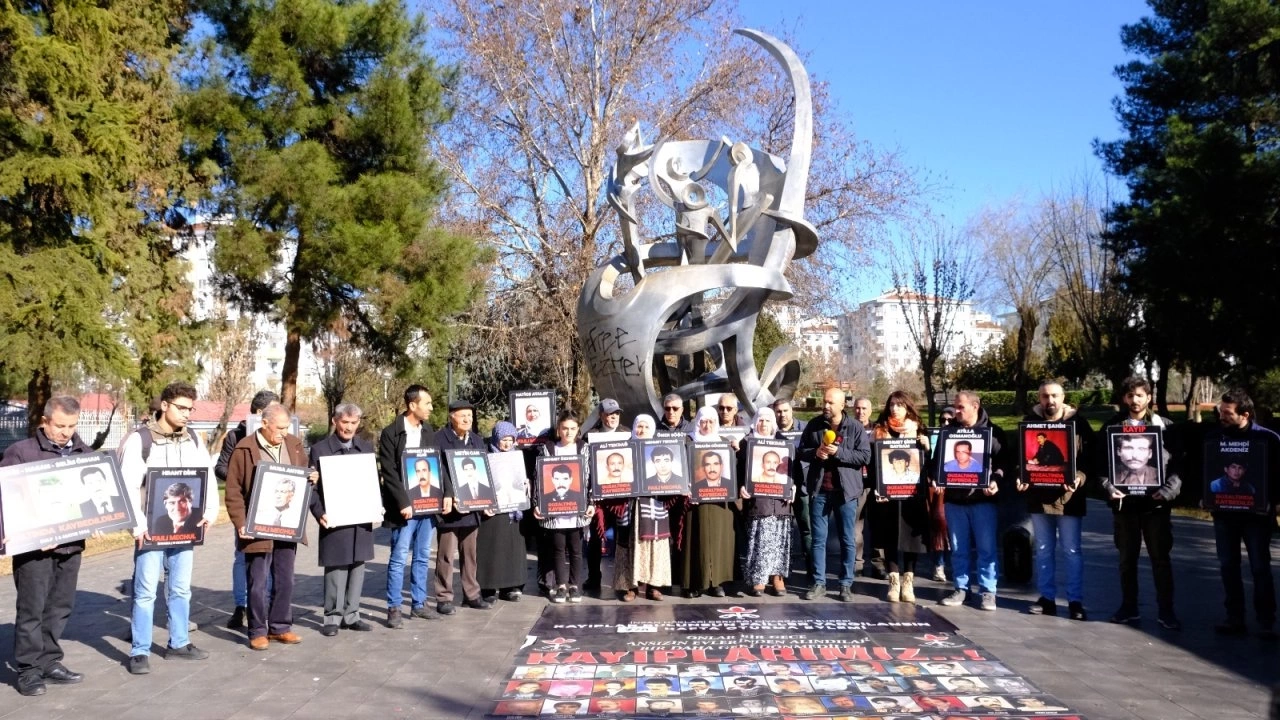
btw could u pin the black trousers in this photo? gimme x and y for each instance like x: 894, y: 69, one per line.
x: 1230, y: 530
x: 272, y: 615
x: 46, y: 585
x: 567, y: 545
x: 1156, y: 530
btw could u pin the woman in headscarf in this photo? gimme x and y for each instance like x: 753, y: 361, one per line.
x: 707, y: 536
x: 900, y: 525
x: 642, y: 537
x: 501, y: 566
x: 769, y: 526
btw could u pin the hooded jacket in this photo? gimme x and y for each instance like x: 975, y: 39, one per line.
x: 1060, y: 501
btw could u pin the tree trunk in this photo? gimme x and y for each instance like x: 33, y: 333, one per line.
x: 1027, y: 321
x: 926, y: 368
x: 1160, y: 385
x: 39, y: 390
x: 289, y: 373
x: 1193, y: 399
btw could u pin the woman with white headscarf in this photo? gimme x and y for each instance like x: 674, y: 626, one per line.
x: 707, y: 538
x: 642, y: 537
x: 769, y: 527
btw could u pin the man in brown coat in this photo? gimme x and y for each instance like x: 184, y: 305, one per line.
x: 271, y: 443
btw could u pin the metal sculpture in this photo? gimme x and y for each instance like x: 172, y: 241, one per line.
x: 701, y: 291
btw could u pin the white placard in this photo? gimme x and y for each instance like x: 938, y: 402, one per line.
x: 349, y: 485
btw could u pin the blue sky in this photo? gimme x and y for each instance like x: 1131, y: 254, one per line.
x: 994, y: 99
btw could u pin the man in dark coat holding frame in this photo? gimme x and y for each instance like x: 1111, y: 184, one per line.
x: 343, y: 550
x: 458, y: 530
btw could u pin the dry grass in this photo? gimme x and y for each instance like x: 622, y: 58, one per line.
x: 92, y: 546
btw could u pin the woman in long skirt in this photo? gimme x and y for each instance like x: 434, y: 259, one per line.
x: 768, y: 527
x: 502, y: 566
x: 707, y: 537
x: 642, y: 538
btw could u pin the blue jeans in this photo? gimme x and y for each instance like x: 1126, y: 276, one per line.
x: 1229, y: 530
x: 147, y: 568
x: 415, y: 536
x: 822, y: 504
x: 1050, y: 530
x: 239, y: 581
x: 979, y: 522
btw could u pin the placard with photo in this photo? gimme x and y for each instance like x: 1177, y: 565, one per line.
x: 1048, y: 455
x: 898, y: 465
x: 963, y: 459
x: 730, y: 433
x: 769, y: 468
x: 175, y: 505
x: 561, y: 486
x: 423, y: 481
x: 349, y: 485
x: 712, y: 466
x: 1235, y: 473
x: 532, y: 412
x: 1135, y: 458
x: 616, y: 472
x: 472, y: 483
x: 511, y: 485
x: 51, y: 502
x: 277, y: 500
x: 666, y: 467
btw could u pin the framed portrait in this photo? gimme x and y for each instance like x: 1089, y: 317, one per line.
x: 614, y: 469
x: 1235, y: 473
x: 510, y: 484
x: 51, y: 502
x: 1047, y: 457
x: 349, y: 486
x: 175, y: 504
x: 561, y: 486
x: 277, y: 501
x: 422, y: 479
x: 769, y: 468
x: 898, y: 465
x: 712, y: 467
x: 730, y: 433
x: 1135, y: 458
x: 601, y: 436
x: 963, y: 457
x: 472, y: 483
x: 533, y: 412
x: 666, y: 467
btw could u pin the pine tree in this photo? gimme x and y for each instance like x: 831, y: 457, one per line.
x: 310, y: 120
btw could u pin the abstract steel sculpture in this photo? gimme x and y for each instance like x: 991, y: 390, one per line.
x: 701, y: 291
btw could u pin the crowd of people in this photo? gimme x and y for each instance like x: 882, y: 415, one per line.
x: 742, y: 543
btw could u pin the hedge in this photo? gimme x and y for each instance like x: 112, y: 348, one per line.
x: 1074, y: 398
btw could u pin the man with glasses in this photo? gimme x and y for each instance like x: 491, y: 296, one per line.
x: 672, y: 420
x: 727, y: 410
x: 165, y: 442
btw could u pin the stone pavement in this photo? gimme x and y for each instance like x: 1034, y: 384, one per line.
x: 446, y: 669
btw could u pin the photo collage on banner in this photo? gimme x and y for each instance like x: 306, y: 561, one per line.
x: 174, y: 506
x: 1048, y: 457
x: 1235, y: 473
x: 781, y: 661
x: 713, y: 468
x: 769, y: 468
x: 963, y: 458
x: 898, y: 465
x: 561, y: 486
x: 1135, y: 458
x: 51, y: 502
x: 423, y: 481
x: 278, y: 501
x: 532, y: 412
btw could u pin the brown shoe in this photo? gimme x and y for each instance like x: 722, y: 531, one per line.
x: 258, y: 643
x: 627, y: 596
x: 779, y: 586
x: 655, y: 594
x: 286, y: 638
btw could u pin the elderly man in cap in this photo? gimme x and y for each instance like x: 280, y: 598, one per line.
x: 458, y: 530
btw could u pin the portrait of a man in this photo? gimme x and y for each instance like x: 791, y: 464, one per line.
x: 426, y: 482
x: 279, y: 505
x: 1233, y: 481
x: 1047, y: 451
x: 99, y: 492
x: 472, y: 482
x: 1134, y: 453
x: 966, y: 457
x: 898, y: 470
x: 179, y: 517
x: 711, y: 471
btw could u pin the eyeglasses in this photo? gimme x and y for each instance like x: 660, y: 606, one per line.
x: 674, y: 408
x: 182, y: 408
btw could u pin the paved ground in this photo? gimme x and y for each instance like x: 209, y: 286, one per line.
x: 447, y: 669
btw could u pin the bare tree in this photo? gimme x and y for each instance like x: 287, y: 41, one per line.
x: 934, y: 276
x: 548, y: 90
x: 347, y: 373
x: 1072, y: 222
x: 1022, y: 275
x: 230, y: 363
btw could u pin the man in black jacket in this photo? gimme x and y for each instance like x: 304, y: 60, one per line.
x: 239, y: 572
x: 45, y: 579
x: 408, y: 533
x: 458, y: 529
x: 343, y: 550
